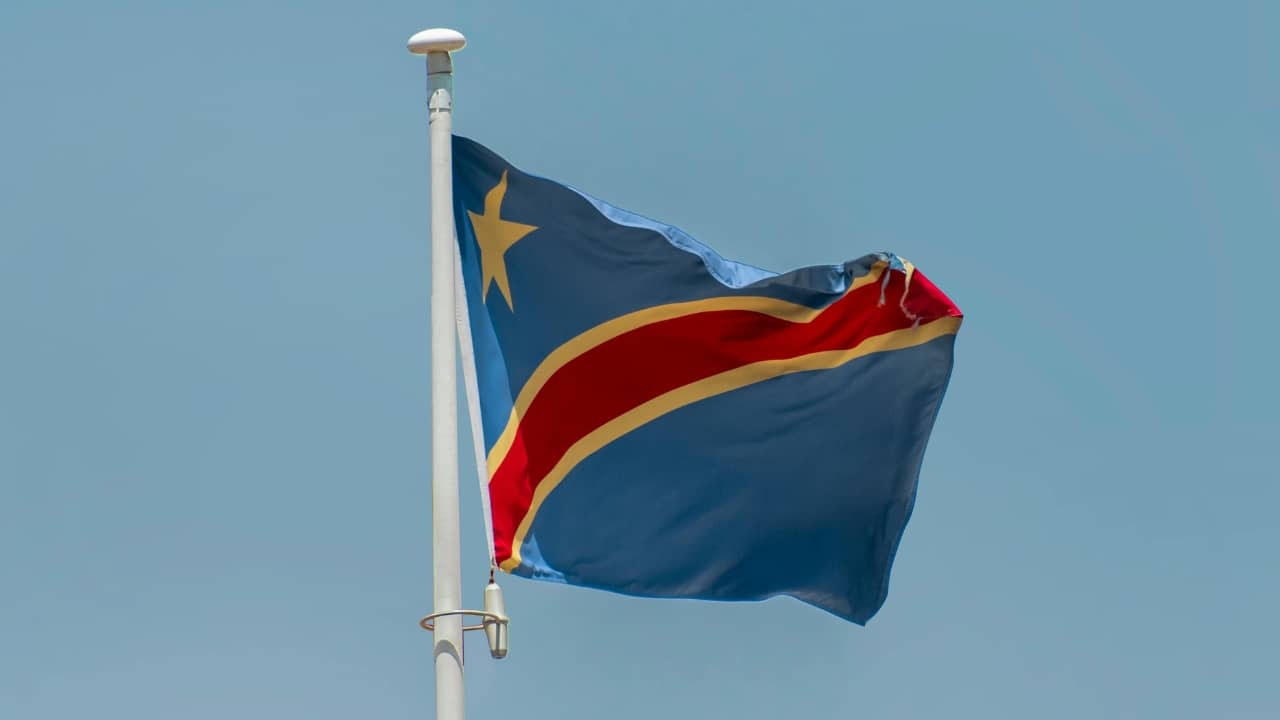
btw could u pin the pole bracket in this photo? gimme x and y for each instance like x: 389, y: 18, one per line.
x: 428, y: 623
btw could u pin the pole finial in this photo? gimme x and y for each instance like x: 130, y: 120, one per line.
x: 436, y: 40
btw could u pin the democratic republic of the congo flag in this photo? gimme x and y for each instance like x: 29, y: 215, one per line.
x: 659, y: 421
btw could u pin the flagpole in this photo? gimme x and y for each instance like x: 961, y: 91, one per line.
x: 436, y: 44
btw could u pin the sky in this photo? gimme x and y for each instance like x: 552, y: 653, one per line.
x: 214, y: 397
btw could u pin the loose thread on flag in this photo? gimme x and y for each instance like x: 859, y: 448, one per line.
x: 908, y: 271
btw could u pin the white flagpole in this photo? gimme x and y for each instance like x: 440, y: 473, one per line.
x: 436, y: 44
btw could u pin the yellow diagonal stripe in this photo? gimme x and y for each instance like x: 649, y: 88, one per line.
x: 709, y: 387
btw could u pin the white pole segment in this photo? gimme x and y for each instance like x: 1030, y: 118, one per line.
x: 436, y: 44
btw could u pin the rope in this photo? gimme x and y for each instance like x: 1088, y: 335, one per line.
x: 473, y: 403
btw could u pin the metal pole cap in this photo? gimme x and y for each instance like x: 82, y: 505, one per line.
x: 436, y: 40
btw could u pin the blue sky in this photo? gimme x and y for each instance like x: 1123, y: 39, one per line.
x: 214, y: 402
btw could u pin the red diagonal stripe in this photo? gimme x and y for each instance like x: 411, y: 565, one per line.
x: 639, y: 365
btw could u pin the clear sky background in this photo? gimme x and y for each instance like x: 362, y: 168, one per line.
x: 214, y: 490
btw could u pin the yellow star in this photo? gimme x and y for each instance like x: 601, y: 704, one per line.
x: 495, y: 237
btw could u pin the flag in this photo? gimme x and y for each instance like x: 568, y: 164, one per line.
x: 659, y: 421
